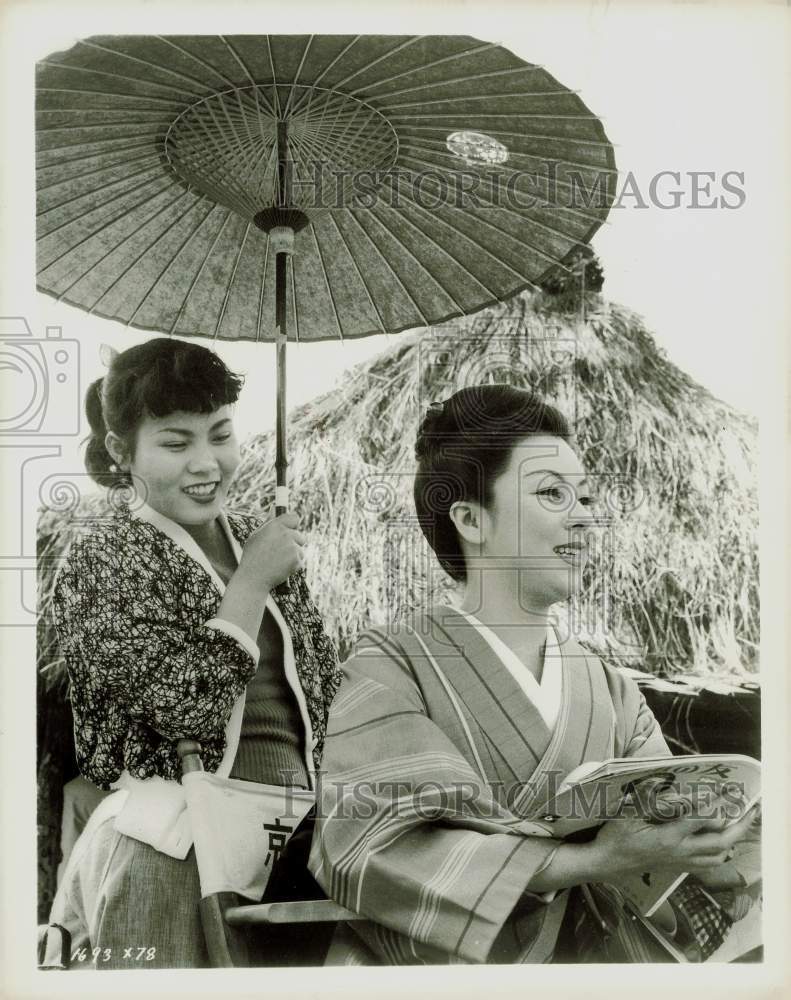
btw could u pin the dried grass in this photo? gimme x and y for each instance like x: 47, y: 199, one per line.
x: 675, y: 582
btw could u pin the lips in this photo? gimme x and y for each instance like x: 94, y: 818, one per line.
x: 202, y: 491
x: 572, y: 552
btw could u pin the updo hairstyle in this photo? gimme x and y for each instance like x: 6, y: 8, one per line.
x: 462, y: 446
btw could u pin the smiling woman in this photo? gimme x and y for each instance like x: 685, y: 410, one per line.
x: 178, y: 619
x: 468, y: 717
x: 503, y: 500
x: 184, y: 462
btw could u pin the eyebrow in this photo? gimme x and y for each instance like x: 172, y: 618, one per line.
x: 558, y: 475
x: 189, y: 433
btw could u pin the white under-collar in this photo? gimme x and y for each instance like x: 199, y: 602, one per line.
x: 544, y: 695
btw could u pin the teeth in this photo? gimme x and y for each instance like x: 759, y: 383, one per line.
x: 203, y: 490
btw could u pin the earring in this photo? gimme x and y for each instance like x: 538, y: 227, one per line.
x: 114, y: 467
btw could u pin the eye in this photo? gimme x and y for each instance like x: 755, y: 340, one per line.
x: 174, y: 445
x: 222, y: 438
x: 555, y: 494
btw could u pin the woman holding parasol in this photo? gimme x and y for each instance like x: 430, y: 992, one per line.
x: 178, y: 618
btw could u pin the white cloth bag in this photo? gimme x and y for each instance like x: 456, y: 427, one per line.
x: 239, y: 829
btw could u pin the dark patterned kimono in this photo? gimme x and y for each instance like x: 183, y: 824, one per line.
x: 149, y: 663
x: 132, y: 608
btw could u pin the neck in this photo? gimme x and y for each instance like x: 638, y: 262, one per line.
x: 206, y: 535
x: 495, y: 598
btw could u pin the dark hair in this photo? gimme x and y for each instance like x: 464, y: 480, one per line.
x: 462, y: 446
x: 152, y: 379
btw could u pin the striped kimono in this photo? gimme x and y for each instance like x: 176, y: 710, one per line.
x: 434, y: 765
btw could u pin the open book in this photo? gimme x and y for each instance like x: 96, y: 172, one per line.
x: 657, y: 789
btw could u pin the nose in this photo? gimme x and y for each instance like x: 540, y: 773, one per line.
x: 203, y: 460
x: 580, y: 516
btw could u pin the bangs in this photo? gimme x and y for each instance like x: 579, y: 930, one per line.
x: 186, y: 381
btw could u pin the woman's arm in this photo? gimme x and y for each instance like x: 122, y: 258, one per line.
x: 637, y: 732
x: 270, y: 555
x: 121, y: 635
x: 628, y: 846
x: 644, y: 738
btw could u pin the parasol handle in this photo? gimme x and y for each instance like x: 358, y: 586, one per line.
x: 282, y: 240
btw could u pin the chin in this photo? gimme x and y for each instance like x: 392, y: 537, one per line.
x: 191, y: 514
x: 555, y: 591
x: 197, y: 519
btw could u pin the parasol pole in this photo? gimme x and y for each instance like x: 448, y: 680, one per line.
x: 282, y: 236
x: 281, y: 221
x: 283, y: 240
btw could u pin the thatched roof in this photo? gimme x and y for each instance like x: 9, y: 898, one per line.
x: 676, y: 586
x: 676, y: 581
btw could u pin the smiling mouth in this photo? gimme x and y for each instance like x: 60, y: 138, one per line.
x: 571, y: 553
x: 202, y: 491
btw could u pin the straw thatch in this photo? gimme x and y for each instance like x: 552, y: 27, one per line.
x: 674, y: 586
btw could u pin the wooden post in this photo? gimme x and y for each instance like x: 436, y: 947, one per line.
x: 189, y: 755
x: 226, y: 946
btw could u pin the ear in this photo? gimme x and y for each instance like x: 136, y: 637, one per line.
x: 115, y: 446
x: 468, y: 521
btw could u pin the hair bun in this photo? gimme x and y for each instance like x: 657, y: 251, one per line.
x: 432, y: 425
x: 93, y: 408
x: 98, y: 460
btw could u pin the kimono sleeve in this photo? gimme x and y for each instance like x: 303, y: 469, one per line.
x: 122, y: 641
x: 645, y: 739
x: 407, y: 832
x: 638, y: 733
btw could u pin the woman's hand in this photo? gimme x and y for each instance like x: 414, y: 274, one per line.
x: 270, y: 555
x: 628, y: 846
x: 744, y: 870
x: 273, y: 552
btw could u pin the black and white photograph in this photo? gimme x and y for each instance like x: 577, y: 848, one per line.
x: 395, y: 534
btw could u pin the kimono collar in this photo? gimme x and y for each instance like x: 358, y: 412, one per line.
x: 546, y: 693
x: 181, y: 537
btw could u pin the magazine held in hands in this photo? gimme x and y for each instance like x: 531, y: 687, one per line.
x: 659, y: 789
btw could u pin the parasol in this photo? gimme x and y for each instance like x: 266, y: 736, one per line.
x: 304, y: 188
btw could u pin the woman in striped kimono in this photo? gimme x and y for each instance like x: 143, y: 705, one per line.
x: 451, y: 731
